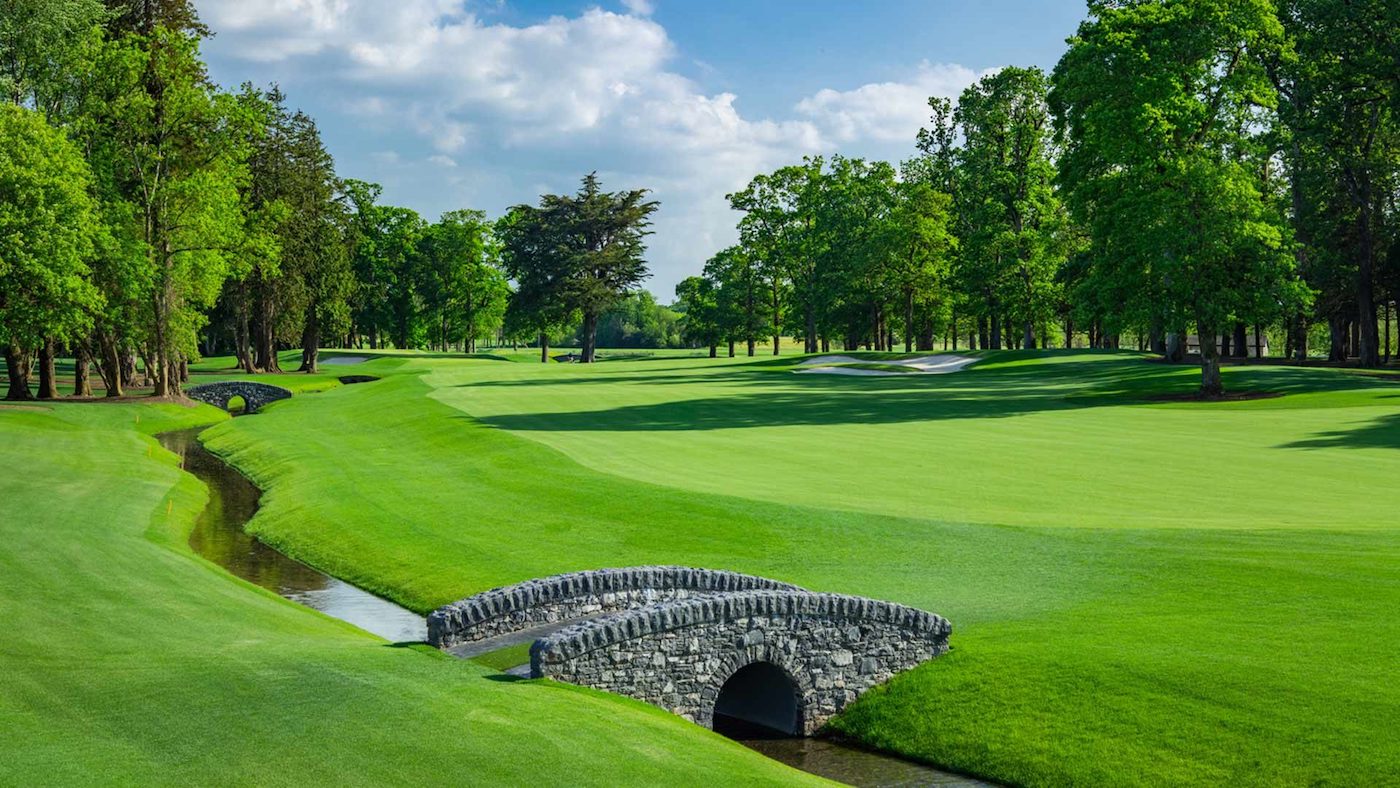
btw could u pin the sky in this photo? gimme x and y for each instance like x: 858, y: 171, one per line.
x: 486, y: 104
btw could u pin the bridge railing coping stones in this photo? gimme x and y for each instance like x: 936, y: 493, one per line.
x: 578, y: 639
x: 447, y: 622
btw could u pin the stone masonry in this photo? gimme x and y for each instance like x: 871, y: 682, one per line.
x: 255, y: 395
x: 678, y: 655
x: 580, y: 595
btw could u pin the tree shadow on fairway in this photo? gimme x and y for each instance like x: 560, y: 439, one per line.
x: 993, y: 390
x: 1380, y: 433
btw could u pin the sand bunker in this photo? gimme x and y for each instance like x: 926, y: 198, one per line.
x: 923, y: 365
x: 344, y: 359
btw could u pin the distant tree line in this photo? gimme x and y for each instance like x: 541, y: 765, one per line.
x: 1219, y: 168
x: 148, y: 217
x: 1223, y: 169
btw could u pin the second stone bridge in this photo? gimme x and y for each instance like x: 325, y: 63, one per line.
x: 711, y: 646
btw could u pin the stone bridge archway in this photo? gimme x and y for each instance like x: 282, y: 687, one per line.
x: 682, y: 655
x: 254, y: 394
x: 699, y: 642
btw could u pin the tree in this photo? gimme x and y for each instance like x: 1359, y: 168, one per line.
x: 1155, y: 98
x: 174, y: 149
x: 700, y: 307
x: 742, y: 308
x: 462, y: 283
x: 39, y: 41
x: 1339, y: 93
x: 45, y: 240
x: 919, y: 245
x: 771, y: 235
x: 580, y: 252
x: 1011, y: 206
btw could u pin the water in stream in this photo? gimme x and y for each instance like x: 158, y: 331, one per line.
x: 219, y: 537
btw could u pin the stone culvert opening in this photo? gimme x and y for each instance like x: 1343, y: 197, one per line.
x: 758, y: 701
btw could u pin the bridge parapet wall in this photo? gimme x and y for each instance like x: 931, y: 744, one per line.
x: 679, y: 655
x: 580, y: 595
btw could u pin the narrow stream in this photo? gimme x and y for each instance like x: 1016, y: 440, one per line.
x: 219, y: 537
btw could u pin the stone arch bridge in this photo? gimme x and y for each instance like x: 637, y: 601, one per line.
x: 254, y: 394
x: 711, y: 646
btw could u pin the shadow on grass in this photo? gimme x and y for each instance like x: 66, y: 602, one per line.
x: 1381, y: 433
x: 993, y: 390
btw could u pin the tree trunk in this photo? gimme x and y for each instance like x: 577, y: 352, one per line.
x: 1175, y: 347
x: 731, y: 349
x: 994, y: 339
x: 17, y: 368
x: 1386, y: 311
x: 1069, y: 333
x: 1300, y: 339
x: 1028, y: 341
x: 1211, y: 387
x: 310, y: 342
x: 1241, y: 340
x: 1337, y: 332
x: 714, y: 350
x: 109, y: 364
x: 544, y: 348
x: 48, y: 381
x: 1258, y: 342
x: 590, y: 336
x: 982, y: 340
x: 82, y: 361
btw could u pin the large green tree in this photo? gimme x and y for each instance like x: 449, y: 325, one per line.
x: 578, y: 253
x: 1013, y: 213
x: 165, y: 142
x: 1339, y: 91
x: 46, y: 218
x: 1155, y: 99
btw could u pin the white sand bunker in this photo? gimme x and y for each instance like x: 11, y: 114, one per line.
x: 923, y: 365
x: 344, y: 359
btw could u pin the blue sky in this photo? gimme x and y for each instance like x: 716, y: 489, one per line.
x: 453, y: 104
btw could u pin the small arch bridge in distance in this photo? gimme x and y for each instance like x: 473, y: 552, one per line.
x: 254, y: 394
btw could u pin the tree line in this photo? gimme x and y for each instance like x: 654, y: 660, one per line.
x: 1222, y: 169
x: 148, y: 217
x: 1218, y: 169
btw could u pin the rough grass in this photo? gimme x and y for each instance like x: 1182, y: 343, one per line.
x: 127, y: 660
x: 1157, y: 593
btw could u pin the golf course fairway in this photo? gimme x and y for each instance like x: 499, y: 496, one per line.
x: 1142, y: 590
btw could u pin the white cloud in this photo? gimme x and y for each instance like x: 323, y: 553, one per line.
x: 886, y: 111
x: 521, y: 108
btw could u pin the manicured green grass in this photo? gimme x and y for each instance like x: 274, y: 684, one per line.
x: 127, y: 660
x: 505, y: 658
x: 1142, y: 591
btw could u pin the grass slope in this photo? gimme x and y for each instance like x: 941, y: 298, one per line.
x: 126, y: 660
x: 1141, y: 593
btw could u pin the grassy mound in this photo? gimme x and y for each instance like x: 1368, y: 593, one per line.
x: 1142, y: 591
x: 128, y: 660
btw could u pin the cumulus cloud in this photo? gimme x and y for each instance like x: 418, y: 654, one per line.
x: 511, y: 110
x: 886, y: 111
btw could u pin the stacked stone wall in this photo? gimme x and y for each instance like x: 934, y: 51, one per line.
x: 581, y: 595
x: 678, y: 655
x: 255, y: 395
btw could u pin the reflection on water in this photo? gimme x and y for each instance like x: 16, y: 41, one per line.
x: 219, y: 537
x: 837, y: 761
